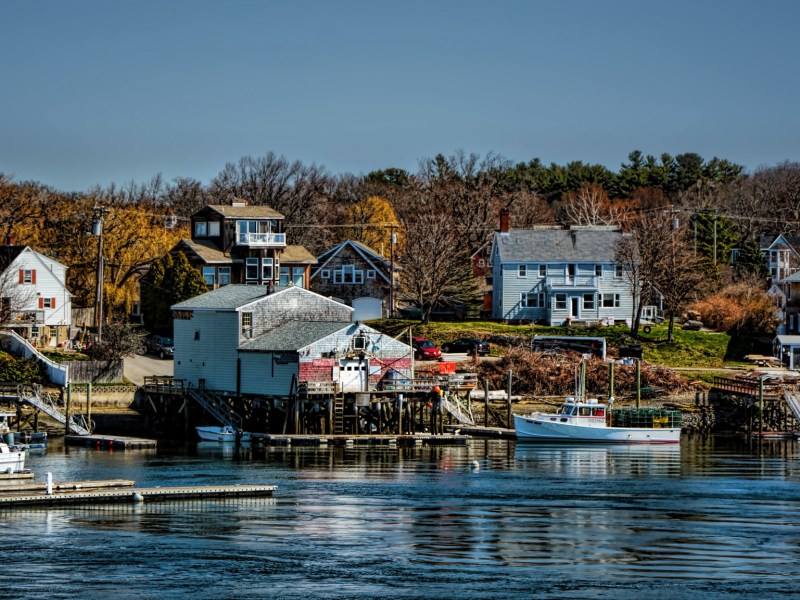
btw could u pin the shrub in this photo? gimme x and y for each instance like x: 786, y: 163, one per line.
x: 22, y: 370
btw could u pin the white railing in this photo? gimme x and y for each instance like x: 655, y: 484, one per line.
x: 563, y: 281
x: 261, y: 239
x: 58, y: 374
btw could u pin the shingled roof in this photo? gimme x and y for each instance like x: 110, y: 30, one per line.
x: 556, y: 245
x: 294, y: 335
x: 228, y: 297
x: 246, y: 212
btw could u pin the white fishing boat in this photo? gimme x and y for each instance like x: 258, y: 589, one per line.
x: 12, y: 459
x: 224, y: 433
x: 589, y: 421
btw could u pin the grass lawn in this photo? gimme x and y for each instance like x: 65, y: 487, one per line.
x: 699, y: 349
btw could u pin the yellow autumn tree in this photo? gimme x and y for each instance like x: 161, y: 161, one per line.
x: 372, y: 221
x: 133, y: 236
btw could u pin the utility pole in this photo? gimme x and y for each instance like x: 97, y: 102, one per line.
x: 97, y: 230
x: 392, y: 242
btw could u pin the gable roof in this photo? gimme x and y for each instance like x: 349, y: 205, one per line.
x: 297, y: 254
x: 293, y: 335
x: 245, y: 212
x: 372, y: 258
x: 8, y: 254
x: 228, y: 297
x: 559, y: 245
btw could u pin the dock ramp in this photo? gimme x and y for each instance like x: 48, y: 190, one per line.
x: 792, y: 400
x: 216, y: 407
x: 48, y: 404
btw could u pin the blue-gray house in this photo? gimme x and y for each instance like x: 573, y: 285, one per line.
x: 555, y: 275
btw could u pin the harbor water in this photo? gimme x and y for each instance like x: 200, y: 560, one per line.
x: 716, y: 517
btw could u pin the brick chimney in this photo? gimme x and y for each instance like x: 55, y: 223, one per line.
x: 505, y: 218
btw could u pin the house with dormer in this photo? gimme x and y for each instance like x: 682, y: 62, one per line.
x: 240, y: 243
x: 356, y: 275
x: 555, y: 276
x: 34, y: 300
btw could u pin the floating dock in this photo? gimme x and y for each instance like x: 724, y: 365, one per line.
x: 418, y: 439
x: 88, y: 492
x: 109, y: 442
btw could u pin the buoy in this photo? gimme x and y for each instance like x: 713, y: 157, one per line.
x: 137, y: 497
x: 476, y: 465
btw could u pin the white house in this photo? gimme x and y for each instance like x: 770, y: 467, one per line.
x: 242, y: 340
x: 34, y: 296
x: 555, y: 275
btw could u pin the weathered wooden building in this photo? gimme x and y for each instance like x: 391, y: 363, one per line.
x: 243, y: 341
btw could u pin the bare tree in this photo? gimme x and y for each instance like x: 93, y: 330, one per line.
x: 590, y: 205
x: 435, y: 268
x: 15, y: 299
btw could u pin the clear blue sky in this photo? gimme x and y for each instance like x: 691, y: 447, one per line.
x: 95, y: 92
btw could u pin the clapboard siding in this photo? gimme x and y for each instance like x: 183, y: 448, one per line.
x: 212, y: 354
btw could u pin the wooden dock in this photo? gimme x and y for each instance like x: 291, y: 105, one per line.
x: 110, y: 442
x: 418, y: 439
x: 87, y: 492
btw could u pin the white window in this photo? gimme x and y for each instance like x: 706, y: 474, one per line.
x: 266, y: 269
x: 598, y: 270
x: 28, y: 276
x: 561, y: 301
x: 209, y: 274
x: 47, y: 303
x: 213, y: 229
x: 251, y: 269
x: 283, y: 278
x: 588, y: 302
x: 224, y: 275
x: 610, y: 300
x: 371, y: 273
x: 618, y: 271
x: 571, y: 271
x: 200, y: 229
x: 522, y: 271
x: 348, y: 274
x: 542, y: 270
x: 299, y: 276
x: 325, y: 274
x: 532, y: 299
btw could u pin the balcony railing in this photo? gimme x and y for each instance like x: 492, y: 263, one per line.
x: 261, y: 239
x: 579, y: 281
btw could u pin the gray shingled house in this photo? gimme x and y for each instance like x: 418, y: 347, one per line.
x: 240, y: 340
x: 555, y: 275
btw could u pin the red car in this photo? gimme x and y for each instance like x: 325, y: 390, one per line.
x: 424, y: 349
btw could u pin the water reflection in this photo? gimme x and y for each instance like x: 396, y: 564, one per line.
x: 713, y: 516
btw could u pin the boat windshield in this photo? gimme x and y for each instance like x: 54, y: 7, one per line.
x: 567, y: 409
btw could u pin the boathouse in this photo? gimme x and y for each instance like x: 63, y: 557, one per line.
x: 241, y: 340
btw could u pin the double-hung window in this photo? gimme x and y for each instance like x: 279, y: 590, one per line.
x: 209, y: 274
x: 588, y: 302
x: 200, y: 229
x: 522, y: 271
x: 251, y: 269
x: 561, y: 301
x: 542, y: 270
x: 610, y: 300
x: 266, y: 269
x: 247, y: 324
x: 532, y: 299
x: 224, y: 275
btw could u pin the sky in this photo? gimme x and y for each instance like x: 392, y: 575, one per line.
x: 102, y: 92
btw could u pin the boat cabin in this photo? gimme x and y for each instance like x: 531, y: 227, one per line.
x: 582, y: 412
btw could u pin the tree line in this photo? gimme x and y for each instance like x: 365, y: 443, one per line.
x: 432, y: 220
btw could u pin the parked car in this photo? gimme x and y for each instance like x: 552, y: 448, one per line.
x: 468, y: 345
x: 163, y: 346
x: 424, y: 349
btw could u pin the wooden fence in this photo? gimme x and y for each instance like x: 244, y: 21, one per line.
x: 96, y: 371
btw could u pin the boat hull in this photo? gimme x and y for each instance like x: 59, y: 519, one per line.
x: 221, y: 434
x: 537, y: 429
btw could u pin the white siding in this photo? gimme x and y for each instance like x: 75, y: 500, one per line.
x: 213, y: 356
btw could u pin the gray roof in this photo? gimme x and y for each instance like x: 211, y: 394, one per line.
x: 793, y: 278
x: 227, y: 297
x: 248, y: 211
x: 294, y: 335
x: 556, y: 245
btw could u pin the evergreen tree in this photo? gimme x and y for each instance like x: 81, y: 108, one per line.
x: 171, y: 279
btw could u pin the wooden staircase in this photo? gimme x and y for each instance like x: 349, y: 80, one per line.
x: 338, y: 415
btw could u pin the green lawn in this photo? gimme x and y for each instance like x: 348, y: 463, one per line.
x: 698, y: 349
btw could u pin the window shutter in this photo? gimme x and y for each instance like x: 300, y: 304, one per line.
x: 21, y: 276
x: 52, y: 302
x: 41, y: 302
x: 33, y: 276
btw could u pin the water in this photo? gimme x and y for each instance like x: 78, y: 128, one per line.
x: 717, y: 517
